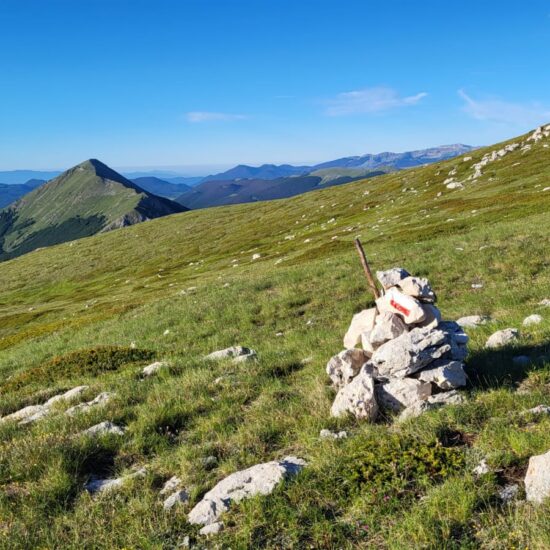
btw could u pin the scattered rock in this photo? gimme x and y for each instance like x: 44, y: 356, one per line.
x: 237, y: 353
x: 171, y: 485
x: 473, y: 321
x: 342, y: 368
x: 545, y: 302
x: 452, y: 397
x: 153, y: 368
x: 106, y: 485
x: 212, y: 529
x: 534, y: 319
x: 101, y: 399
x: 537, y: 479
x: 482, y: 468
x: 209, y: 462
x: 260, y: 479
x: 387, y: 327
x: 327, y: 434
x: 357, y: 397
x: 176, y: 499
x: 539, y: 409
x: 104, y: 428
x: 502, y: 338
x: 417, y: 288
x: 508, y: 492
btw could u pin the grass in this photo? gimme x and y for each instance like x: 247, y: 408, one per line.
x: 388, y: 485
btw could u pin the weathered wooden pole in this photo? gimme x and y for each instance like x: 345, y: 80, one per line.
x: 366, y: 269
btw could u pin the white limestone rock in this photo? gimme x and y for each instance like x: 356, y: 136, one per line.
x: 417, y: 287
x: 342, y: 368
x: 170, y: 486
x: 357, y: 398
x: 101, y: 399
x: 410, y: 352
x: 537, y: 479
x: 401, y: 393
x: 391, y: 277
x: 104, y: 428
x: 260, y: 479
x: 387, y: 327
x: 176, y: 499
x: 452, y: 397
x: 361, y: 322
x: 394, y: 301
x: 509, y: 492
x: 154, y: 368
x: 444, y: 373
x: 237, y: 353
x: 534, y: 319
x: 106, y: 485
x: 545, y: 302
x: 327, y: 434
x: 473, y: 321
x: 502, y: 338
x: 211, y: 529
x: 432, y: 316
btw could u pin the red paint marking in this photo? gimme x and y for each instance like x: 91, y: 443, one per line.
x: 400, y: 308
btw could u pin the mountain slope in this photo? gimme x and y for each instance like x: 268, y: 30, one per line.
x: 161, y: 187
x: 87, y: 199
x: 11, y: 192
x: 281, y: 277
x: 218, y: 193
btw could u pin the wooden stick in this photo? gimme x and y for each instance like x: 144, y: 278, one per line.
x: 366, y: 269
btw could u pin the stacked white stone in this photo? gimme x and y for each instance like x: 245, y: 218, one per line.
x: 410, y: 359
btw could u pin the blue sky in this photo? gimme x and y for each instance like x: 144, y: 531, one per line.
x: 203, y: 83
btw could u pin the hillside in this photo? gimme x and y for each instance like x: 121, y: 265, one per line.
x: 283, y: 278
x: 218, y: 193
x: 87, y: 199
x: 161, y: 187
x: 10, y: 193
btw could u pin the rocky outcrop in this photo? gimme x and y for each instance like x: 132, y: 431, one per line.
x: 257, y: 480
x: 502, y: 338
x: 237, y: 353
x: 537, y: 479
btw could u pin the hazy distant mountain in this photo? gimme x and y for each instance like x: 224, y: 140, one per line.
x: 164, y: 175
x: 10, y: 193
x: 161, y: 187
x: 87, y: 199
x: 399, y: 160
x: 217, y: 193
x: 22, y: 176
x: 263, y: 172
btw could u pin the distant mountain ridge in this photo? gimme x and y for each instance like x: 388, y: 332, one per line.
x: 10, y: 193
x: 161, y: 187
x: 87, y: 199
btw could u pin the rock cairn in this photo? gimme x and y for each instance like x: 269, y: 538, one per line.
x: 409, y: 360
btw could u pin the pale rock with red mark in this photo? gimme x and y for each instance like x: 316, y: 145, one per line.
x: 394, y: 301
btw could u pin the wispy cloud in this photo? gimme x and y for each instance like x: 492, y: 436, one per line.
x: 505, y: 112
x: 369, y: 100
x: 209, y: 116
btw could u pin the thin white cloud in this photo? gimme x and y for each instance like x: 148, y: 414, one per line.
x: 369, y: 100
x: 209, y: 116
x: 505, y: 112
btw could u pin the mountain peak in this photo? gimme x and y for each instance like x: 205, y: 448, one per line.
x: 101, y: 170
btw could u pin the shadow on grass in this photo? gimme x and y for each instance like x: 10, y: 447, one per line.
x: 492, y: 368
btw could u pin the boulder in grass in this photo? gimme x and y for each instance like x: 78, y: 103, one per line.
x: 357, y: 398
x: 410, y: 352
x: 502, y: 338
x: 444, y: 373
x: 409, y: 308
x: 534, y: 319
x: 154, y: 368
x: 391, y: 277
x: 101, y: 399
x: 537, y: 479
x: 417, y: 287
x: 171, y: 485
x: 473, y: 321
x: 401, y: 393
x: 387, y: 327
x: 104, y: 428
x: 237, y: 353
x: 343, y: 367
x: 260, y: 479
x: 97, y: 485
x: 177, y: 498
x: 360, y: 323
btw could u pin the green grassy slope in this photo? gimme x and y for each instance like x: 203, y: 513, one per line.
x: 80, y: 202
x: 386, y: 486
